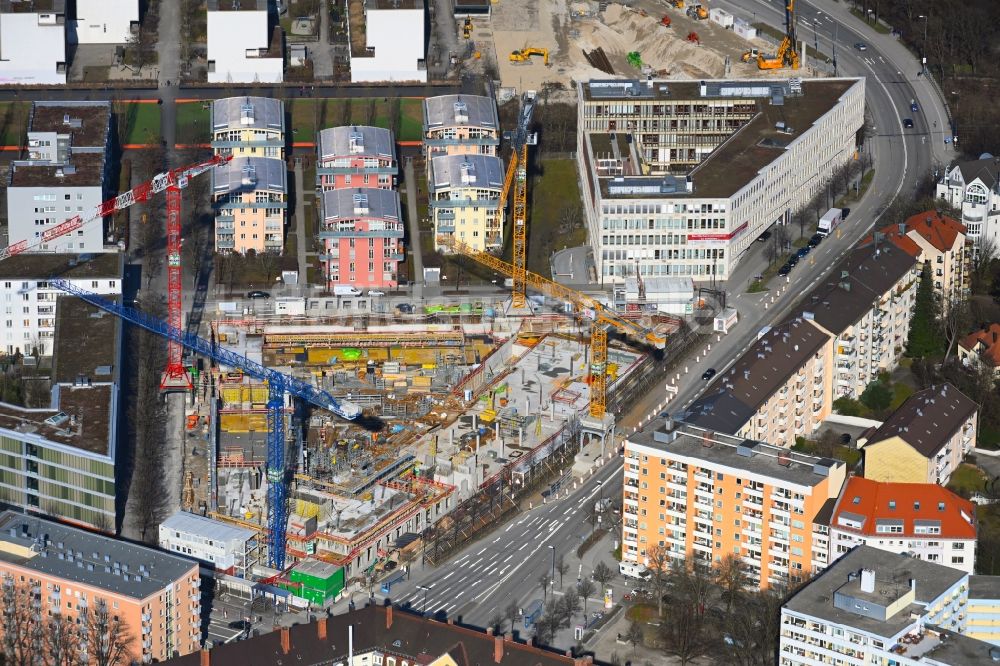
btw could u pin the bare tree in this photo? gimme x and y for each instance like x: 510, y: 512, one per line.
x: 543, y: 582
x: 802, y: 219
x: 496, y: 623
x: 603, y: 574
x: 731, y: 576
x: 984, y: 252
x: 586, y: 589
x: 753, y: 629
x: 569, y: 605
x: 104, y: 638
x: 562, y: 569
x: 659, y: 569
x: 510, y: 614
x: 956, y: 321
x: 16, y: 620
x: 686, y: 629
x: 62, y: 645
x: 634, y: 635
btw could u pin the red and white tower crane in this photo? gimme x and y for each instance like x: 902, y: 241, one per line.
x: 175, y: 376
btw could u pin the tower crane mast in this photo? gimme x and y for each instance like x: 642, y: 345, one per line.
x: 277, y: 384
x: 517, y: 177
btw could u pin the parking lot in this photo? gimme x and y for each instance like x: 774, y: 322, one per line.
x: 231, y: 614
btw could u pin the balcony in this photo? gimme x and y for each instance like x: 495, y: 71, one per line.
x: 352, y: 233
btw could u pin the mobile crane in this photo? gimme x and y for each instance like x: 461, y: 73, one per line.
x: 278, y: 384
x: 787, y: 55
x: 517, y: 176
x: 601, y: 315
x: 175, y: 376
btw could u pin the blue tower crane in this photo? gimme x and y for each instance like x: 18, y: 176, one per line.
x: 278, y: 384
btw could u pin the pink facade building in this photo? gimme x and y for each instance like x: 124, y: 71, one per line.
x: 361, y: 229
x: 356, y: 156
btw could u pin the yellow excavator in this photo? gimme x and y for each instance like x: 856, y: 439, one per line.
x: 787, y: 55
x: 467, y: 28
x: 523, y: 56
x: 679, y: 4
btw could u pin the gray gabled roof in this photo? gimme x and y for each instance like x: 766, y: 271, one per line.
x: 456, y: 171
x: 355, y: 202
x: 460, y: 110
x: 356, y: 141
x: 248, y: 112
x: 986, y: 170
x: 249, y: 174
x: 928, y: 419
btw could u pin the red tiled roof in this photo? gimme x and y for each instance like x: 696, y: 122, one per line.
x: 896, y: 237
x: 989, y: 337
x: 937, y: 229
x: 873, y: 501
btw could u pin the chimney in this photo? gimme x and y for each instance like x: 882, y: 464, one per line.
x: 497, y: 649
x: 321, y: 629
x: 489, y: 631
x: 206, y: 657
x: 451, y: 620
x: 868, y: 580
x: 388, y: 617
x: 286, y: 641
x: 509, y: 636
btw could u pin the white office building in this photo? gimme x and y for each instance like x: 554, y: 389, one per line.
x: 242, y: 48
x: 680, y: 177
x: 32, y: 42
x: 877, y: 607
x: 973, y: 187
x: 104, y: 21
x: 394, y: 38
x: 230, y: 549
x: 64, y: 176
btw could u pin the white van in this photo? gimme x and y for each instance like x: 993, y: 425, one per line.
x: 345, y: 290
x: 632, y: 570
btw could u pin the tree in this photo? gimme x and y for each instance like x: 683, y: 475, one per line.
x: 731, y: 576
x: 510, y: 614
x: 104, y: 638
x: 603, y: 574
x: 569, y: 605
x: 984, y: 252
x: 956, y: 322
x: 16, y: 622
x: 925, y: 337
x: 562, y: 569
x: 658, y: 563
x: 685, y: 629
x: 543, y: 582
x: 634, y: 635
x: 877, y: 397
x: 586, y: 589
x: 496, y: 623
x: 752, y: 630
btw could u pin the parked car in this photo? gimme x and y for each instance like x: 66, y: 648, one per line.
x: 861, y: 46
x: 844, y: 212
x: 373, y: 292
x: 405, y: 308
x: 763, y: 237
x: 803, y: 251
x: 908, y: 122
x: 815, y: 240
x: 258, y: 294
x: 784, y: 270
x: 708, y: 374
x: 792, y: 260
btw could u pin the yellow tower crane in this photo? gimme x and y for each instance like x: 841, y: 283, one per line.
x: 517, y: 176
x: 601, y: 315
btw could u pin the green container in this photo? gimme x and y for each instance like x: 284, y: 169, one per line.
x: 318, y: 582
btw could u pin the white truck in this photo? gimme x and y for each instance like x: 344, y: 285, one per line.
x: 829, y: 221
x: 633, y: 570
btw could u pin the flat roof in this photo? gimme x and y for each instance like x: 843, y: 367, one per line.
x: 192, y: 524
x: 83, y: 170
x: 33, y: 7
x: 80, y: 347
x: 355, y: 202
x: 738, y: 393
x: 88, y: 558
x: 958, y: 650
x: 753, y: 457
x: 61, y: 117
x: 816, y: 598
x: 237, y: 5
x: 465, y: 110
x: 984, y: 587
x: 459, y: 171
x: 261, y: 113
x: 395, y: 4
x: 264, y: 173
x: 44, y: 266
x: 356, y: 141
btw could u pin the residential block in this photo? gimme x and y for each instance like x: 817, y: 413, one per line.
x: 356, y: 156
x: 248, y: 127
x: 249, y: 196
x: 464, y: 193
x: 361, y: 230
x: 460, y: 125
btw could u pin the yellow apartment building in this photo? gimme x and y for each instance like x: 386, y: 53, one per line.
x: 249, y: 195
x: 704, y: 495
x: 248, y: 127
x: 925, y: 440
x: 460, y: 125
x: 464, y: 192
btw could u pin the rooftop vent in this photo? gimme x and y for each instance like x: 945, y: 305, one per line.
x: 747, y: 448
x: 360, y: 204
x: 249, y: 175
x: 357, y: 142
x: 461, y: 113
x: 246, y: 114
x: 468, y: 173
x: 785, y: 460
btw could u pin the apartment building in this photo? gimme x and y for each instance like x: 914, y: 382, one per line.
x: 680, y: 177
x: 982, y: 347
x: 777, y: 390
x: 227, y: 548
x: 32, y: 42
x: 380, y: 636
x: 925, y: 440
x: 65, y: 175
x: 460, y: 125
x: 392, y: 41
x: 703, y: 495
x: 242, y: 47
x: 29, y: 303
x: 58, y: 448
x: 940, y: 242
x: 104, y: 22
x: 248, y: 127
x: 983, y: 621
x: 865, y: 303
x: 922, y: 520
x: 877, y: 607
x: 361, y: 229
x: 356, y: 156
x: 249, y: 195
x: 72, y: 572
x: 464, y: 193
x: 973, y: 187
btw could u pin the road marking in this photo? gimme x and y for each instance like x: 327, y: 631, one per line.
x: 509, y: 527
x: 481, y: 552
x: 523, y: 546
x: 476, y: 562
x: 450, y: 574
x: 495, y: 540
x: 504, y: 570
x: 459, y: 560
x: 569, y: 510
x: 508, y: 559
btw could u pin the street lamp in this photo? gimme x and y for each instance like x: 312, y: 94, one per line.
x: 552, y: 574
x: 923, y: 46
x: 426, y: 589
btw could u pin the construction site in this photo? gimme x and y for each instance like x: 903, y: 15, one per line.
x: 580, y: 40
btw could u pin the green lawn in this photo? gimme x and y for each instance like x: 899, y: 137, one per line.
x: 411, y: 120
x: 13, y: 122
x: 142, y: 122
x: 193, y: 119
x: 967, y: 479
x: 900, y: 392
x: 555, y: 212
x: 309, y: 114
